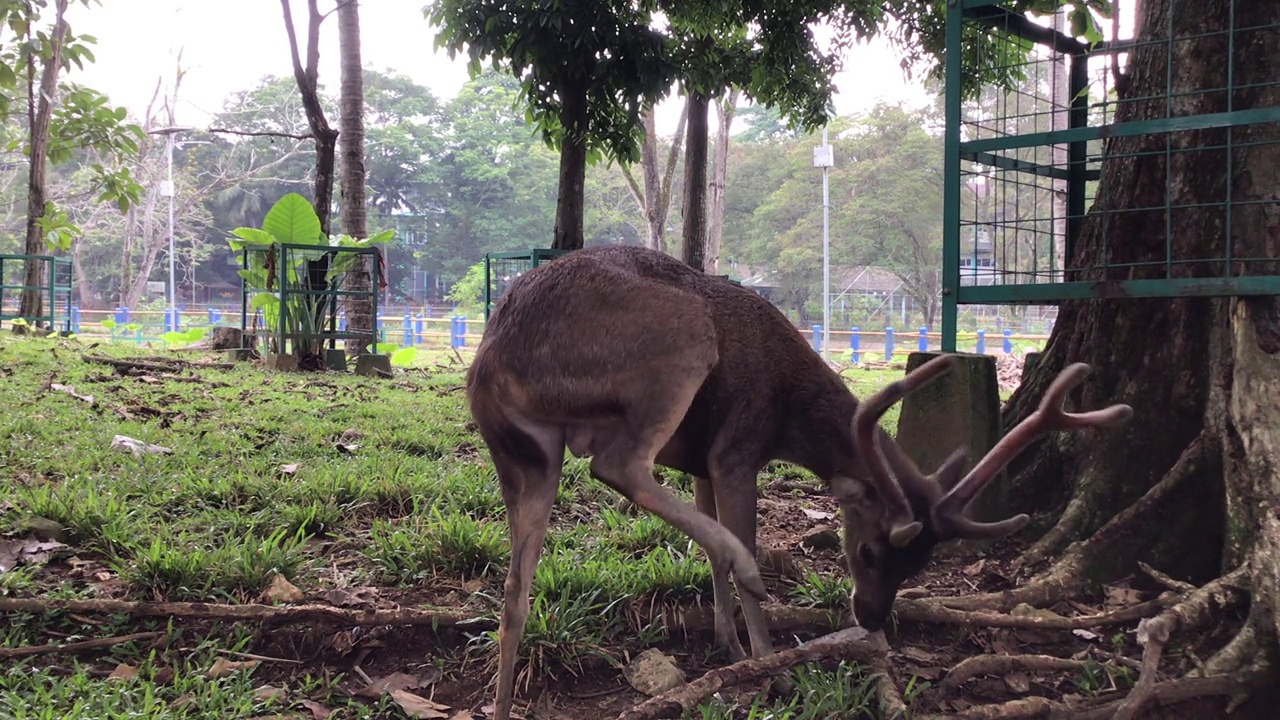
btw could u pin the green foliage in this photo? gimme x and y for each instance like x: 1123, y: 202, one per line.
x: 468, y: 293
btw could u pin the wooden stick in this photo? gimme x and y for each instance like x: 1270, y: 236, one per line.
x: 27, y: 651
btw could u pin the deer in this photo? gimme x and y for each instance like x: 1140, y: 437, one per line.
x: 635, y: 359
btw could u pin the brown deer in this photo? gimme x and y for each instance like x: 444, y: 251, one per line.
x: 633, y: 358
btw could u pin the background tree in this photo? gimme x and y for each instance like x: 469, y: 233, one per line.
x: 308, y: 78
x: 354, y: 213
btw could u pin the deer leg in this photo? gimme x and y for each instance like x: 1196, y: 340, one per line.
x: 725, y: 607
x: 736, y: 510
x: 528, y: 493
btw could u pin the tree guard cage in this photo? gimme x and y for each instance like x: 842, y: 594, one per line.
x: 1024, y: 164
x: 502, y: 268
x: 292, y: 293
x: 55, y: 289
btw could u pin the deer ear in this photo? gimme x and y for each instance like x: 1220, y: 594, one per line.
x: 901, y: 535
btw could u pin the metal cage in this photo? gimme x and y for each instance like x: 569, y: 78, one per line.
x: 502, y: 268
x: 57, y: 281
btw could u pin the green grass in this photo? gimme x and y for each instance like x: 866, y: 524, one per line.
x: 328, y: 480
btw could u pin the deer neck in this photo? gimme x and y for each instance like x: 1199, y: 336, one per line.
x: 818, y: 433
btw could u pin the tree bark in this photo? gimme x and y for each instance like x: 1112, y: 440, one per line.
x: 654, y: 198
x: 39, y: 113
x: 308, y: 78
x: 725, y: 110
x: 568, y: 234
x: 354, y: 213
x: 1186, y: 366
x: 693, y: 239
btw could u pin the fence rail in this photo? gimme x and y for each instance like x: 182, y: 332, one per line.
x: 420, y: 329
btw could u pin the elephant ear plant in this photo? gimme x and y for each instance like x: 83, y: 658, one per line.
x: 292, y: 266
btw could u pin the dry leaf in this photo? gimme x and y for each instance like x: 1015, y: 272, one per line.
x: 461, y: 715
x: 282, y: 591
x: 123, y: 672
x: 268, y: 692
x: 347, y: 448
x: 1018, y: 682
x: 1121, y: 596
x: 72, y: 392
x: 137, y: 447
x: 289, y: 468
x: 223, y: 667
x: 318, y: 711
x: 26, y: 551
x: 416, y: 706
x: 817, y: 514
x: 975, y: 568
x: 1085, y: 634
x: 394, y: 681
x: 919, y: 655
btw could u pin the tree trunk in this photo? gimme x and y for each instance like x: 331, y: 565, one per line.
x: 308, y: 78
x: 568, y: 233
x: 354, y: 216
x: 39, y: 113
x: 1191, y: 368
x: 725, y: 110
x: 654, y: 198
x: 693, y: 239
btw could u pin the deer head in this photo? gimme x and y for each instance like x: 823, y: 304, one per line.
x: 894, y: 521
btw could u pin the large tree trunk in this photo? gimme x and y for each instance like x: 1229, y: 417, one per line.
x: 568, y: 233
x: 308, y: 79
x: 725, y: 110
x: 354, y: 214
x: 654, y: 198
x: 693, y: 237
x: 1196, y: 371
x: 39, y: 113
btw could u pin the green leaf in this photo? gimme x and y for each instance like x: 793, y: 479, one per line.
x: 250, y: 236
x: 293, y: 220
x: 404, y: 357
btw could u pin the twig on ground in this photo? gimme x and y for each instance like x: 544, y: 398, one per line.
x: 999, y: 664
x: 29, y: 650
x: 1164, y: 580
x: 929, y: 611
x: 1199, y: 608
x: 155, y: 365
x: 1020, y: 709
x: 849, y: 644
x: 277, y: 615
x: 259, y: 658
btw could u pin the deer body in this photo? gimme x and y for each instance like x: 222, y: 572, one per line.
x: 633, y: 358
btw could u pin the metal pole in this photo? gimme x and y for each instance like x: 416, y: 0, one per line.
x: 826, y: 255
x: 173, y: 288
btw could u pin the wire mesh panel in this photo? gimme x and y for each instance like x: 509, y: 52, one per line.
x: 502, y: 269
x: 53, y: 279
x: 1025, y: 160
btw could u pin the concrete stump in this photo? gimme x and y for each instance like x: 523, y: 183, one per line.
x: 284, y: 362
x: 373, y: 365
x: 335, y: 359
x: 959, y: 409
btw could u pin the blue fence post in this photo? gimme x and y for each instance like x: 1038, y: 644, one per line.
x: 417, y: 328
x: 888, y: 344
x: 982, y: 342
x: 172, y: 320
x: 924, y: 339
x: 462, y: 331
x: 342, y: 323
x: 75, y: 319
x: 122, y: 316
x: 1008, y: 341
x: 380, y: 336
x: 855, y: 343
x: 408, y: 328
x: 817, y: 338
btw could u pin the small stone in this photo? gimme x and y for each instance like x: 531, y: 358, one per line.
x: 653, y: 673
x: 46, y: 530
x: 821, y: 539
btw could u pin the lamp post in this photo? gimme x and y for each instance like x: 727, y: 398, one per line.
x: 824, y: 157
x: 166, y: 190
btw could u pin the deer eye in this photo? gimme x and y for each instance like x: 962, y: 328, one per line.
x: 866, y: 555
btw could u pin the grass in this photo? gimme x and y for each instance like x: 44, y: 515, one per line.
x: 331, y: 481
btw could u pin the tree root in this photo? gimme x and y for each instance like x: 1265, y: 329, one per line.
x: 277, y: 615
x: 29, y: 650
x: 1198, y: 609
x: 1057, y: 538
x: 1029, y: 707
x: 892, y: 706
x: 998, y: 664
x: 927, y: 611
x: 1063, y: 577
x: 1177, y: 586
x: 849, y: 644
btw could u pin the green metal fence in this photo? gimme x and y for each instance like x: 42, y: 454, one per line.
x: 55, y: 288
x: 1023, y: 164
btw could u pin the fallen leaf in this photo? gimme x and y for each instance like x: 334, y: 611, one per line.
x: 123, y: 672
x: 72, y: 392
x: 1018, y: 682
x: 138, y: 447
x: 817, y: 514
x: 223, y: 667
x: 268, y: 692
x: 919, y: 655
x: 1121, y: 596
x: 26, y: 551
x: 975, y: 568
x: 1085, y: 634
x: 472, y: 586
x: 289, y: 468
x: 318, y: 711
x: 282, y: 591
x: 416, y: 706
x: 394, y: 681
x: 461, y: 715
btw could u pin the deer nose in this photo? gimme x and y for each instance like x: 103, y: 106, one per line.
x: 868, y: 617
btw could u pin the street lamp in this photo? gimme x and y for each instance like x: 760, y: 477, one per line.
x: 166, y: 190
x: 824, y: 157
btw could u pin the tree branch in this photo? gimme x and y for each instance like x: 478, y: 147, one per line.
x: 264, y: 133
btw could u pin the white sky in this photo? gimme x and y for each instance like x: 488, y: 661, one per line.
x: 227, y: 45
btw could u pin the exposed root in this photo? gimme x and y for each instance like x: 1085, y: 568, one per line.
x: 278, y: 615
x: 1198, y: 609
x: 1065, y: 576
x: 1235, y: 655
x: 891, y: 705
x: 850, y: 644
x: 998, y: 664
x: 1030, y: 707
x: 1177, y: 586
x: 1057, y: 538
x: 29, y: 650
x: 926, y: 611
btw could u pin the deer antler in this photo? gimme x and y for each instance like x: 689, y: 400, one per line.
x: 1048, y: 417
x: 903, y: 525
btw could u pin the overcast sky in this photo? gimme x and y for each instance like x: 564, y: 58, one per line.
x: 228, y: 45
